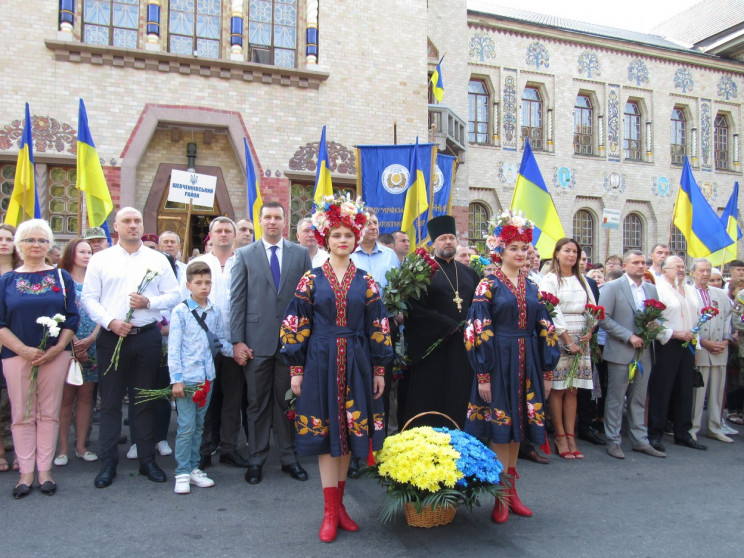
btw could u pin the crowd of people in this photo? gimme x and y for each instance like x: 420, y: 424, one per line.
x: 510, y: 346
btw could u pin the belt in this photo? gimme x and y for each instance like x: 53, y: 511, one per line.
x: 143, y: 329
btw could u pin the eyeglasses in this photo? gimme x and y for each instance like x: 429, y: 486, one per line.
x: 39, y: 241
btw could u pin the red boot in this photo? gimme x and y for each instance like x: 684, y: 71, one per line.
x: 501, y: 508
x: 329, y: 527
x: 515, y: 504
x: 344, y: 521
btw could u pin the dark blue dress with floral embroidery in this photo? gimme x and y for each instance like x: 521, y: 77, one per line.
x: 510, y: 342
x: 337, y: 336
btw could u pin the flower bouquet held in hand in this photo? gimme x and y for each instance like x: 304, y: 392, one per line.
x: 197, y: 392
x: 706, y: 314
x: 409, y: 280
x: 647, y: 327
x: 593, y: 314
x: 51, y: 329
x: 146, y: 280
x: 291, y: 400
x: 550, y: 301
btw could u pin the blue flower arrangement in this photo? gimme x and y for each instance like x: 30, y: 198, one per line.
x: 478, y: 464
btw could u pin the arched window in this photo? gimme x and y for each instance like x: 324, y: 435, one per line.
x: 583, y: 135
x: 721, y: 142
x: 532, y: 120
x: 583, y: 232
x: 677, y: 242
x: 678, y: 137
x: 111, y: 22
x: 272, y: 32
x: 477, y: 111
x: 477, y: 222
x: 632, y: 233
x: 632, y: 131
x: 194, y: 27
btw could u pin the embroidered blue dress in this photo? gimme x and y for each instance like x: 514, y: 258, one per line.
x: 337, y: 336
x: 510, y: 340
x: 86, y: 327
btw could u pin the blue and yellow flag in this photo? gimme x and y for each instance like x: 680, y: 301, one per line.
x: 730, y: 222
x: 532, y: 198
x: 90, y: 178
x: 254, y: 201
x: 437, y: 82
x: 24, y: 203
x: 323, y: 185
x: 416, y: 199
x: 696, y: 220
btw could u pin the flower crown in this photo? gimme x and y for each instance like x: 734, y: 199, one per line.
x: 507, y: 228
x: 338, y: 212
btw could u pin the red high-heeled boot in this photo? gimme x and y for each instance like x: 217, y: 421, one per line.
x: 501, y: 507
x: 329, y: 527
x: 515, y: 504
x: 344, y: 521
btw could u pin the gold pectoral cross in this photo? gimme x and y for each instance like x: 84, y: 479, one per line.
x: 457, y: 300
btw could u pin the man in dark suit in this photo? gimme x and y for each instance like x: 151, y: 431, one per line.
x: 264, y: 278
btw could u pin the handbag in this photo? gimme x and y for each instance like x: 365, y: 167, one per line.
x: 74, y: 373
x: 697, y: 378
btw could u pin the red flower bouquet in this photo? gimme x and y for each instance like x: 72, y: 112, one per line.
x: 550, y: 301
x: 593, y: 314
x: 647, y: 327
x: 706, y: 314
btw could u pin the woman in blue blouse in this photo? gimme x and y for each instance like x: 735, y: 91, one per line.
x: 32, y: 291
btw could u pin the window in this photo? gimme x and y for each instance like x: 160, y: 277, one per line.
x: 301, y: 202
x: 583, y: 144
x: 532, y: 117
x: 63, y: 201
x: 583, y: 232
x: 7, y: 178
x: 632, y: 233
x: 632, y: 131
x: 194, y: 27
x: 677, y: 242
x: 272, y: 32
x: 111, y: 22
x: 477, y: 111
x: 720, y: 142
x: 477, y: 223
x: 678, y: 137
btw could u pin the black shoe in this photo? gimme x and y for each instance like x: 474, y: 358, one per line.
x: 205, y: 461
x: 353, y: 472
x: 657, y: 445
x: 153, y: 472
x: 48, y: 488
x: 253, y: 474
x: 535, y: 457
x: 21, y: 491
x: 690, y: 444
x: 590, y: 435
x: 122, y: 439
x: 106, y: 476
x: 234, y: 458
x: 296, y: 471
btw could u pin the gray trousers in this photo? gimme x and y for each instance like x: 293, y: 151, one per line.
x: 617, y: 389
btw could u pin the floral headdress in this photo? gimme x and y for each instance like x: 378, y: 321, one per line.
x: 505, y: 229
x: 338, y: 212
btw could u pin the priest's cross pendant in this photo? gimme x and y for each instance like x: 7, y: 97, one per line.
x: 457, y: 300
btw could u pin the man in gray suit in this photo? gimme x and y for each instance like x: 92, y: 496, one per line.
x: 621, y: 298
x: 264, y: 278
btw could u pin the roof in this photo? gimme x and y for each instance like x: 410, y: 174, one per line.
x: 702, y: 21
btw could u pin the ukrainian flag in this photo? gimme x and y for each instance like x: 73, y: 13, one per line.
x: 24, y: 203
x: 416, y: 198
x: 729, y: 220
x: 532, y: 198
x: 696, y: 220
x: 323, y: 185
x: 90, y: 178
x: 254, y: 201
x: 437, y: 83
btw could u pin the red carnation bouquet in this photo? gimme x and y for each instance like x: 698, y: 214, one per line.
x: 647, y: 327
x: 550, y: 301
x: 593, y: 314
x: 197, y: 392
x: 410, y: 279
x: 706, y: 314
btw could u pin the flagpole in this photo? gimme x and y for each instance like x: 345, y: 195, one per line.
x: 187, y: 236
x: 79, y: 213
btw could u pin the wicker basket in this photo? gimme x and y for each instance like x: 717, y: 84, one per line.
x: 429, y: 517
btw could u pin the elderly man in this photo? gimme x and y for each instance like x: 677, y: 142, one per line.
x: 462, y: 254
x: 245, y: 233
x: 401, y: 244
x: 96, y: 237
x: 711, y: 354
x: 170, y: 243
x: 306, y: 238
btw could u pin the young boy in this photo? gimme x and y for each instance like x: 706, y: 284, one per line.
x: 190, y: 363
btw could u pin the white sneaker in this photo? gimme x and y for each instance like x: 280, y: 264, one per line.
x: 163, y: 448
x: 728, y: 430
x: 61, y: 460
x: 132, y: 453
x: 199, y: 478
x: 182, y: 484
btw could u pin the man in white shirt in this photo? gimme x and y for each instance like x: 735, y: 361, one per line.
x: 306, y: 238
x: 170, y: 243
x: 109, y: 292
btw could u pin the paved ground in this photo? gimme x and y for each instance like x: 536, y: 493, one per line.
x: 689, y: 504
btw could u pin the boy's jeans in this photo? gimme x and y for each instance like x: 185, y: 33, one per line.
x: 189, y: 433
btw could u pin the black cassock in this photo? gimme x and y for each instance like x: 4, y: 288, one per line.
x: 442, y: 381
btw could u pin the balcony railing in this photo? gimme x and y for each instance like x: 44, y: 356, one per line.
x: 447, y: 128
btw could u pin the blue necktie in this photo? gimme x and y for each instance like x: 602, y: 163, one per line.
x: 275, y: 266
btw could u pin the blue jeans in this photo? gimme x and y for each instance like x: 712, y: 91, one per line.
x: 189, y: 433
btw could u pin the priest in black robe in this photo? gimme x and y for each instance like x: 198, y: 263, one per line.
x: 440, y: 381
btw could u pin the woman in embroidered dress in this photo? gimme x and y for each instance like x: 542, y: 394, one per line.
x: 32, y: 291
x: 510, y: 341
x: 567, y: 283
x: 336, y: 340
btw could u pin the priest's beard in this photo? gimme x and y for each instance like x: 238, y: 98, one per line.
x: 446, y: 253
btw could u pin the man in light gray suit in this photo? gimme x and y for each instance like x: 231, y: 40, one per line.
x: 264, y: 278
x: 621, y: 298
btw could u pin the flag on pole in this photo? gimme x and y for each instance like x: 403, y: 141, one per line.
x: 730, y: 222
x: 323, y: 185
x: 24, y: 203
x: 532, y: 198
x: 254, y: 201
x: 416, y: 198
x: 696, y: 220
x: 437, y: 82
x: 90, y: 178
